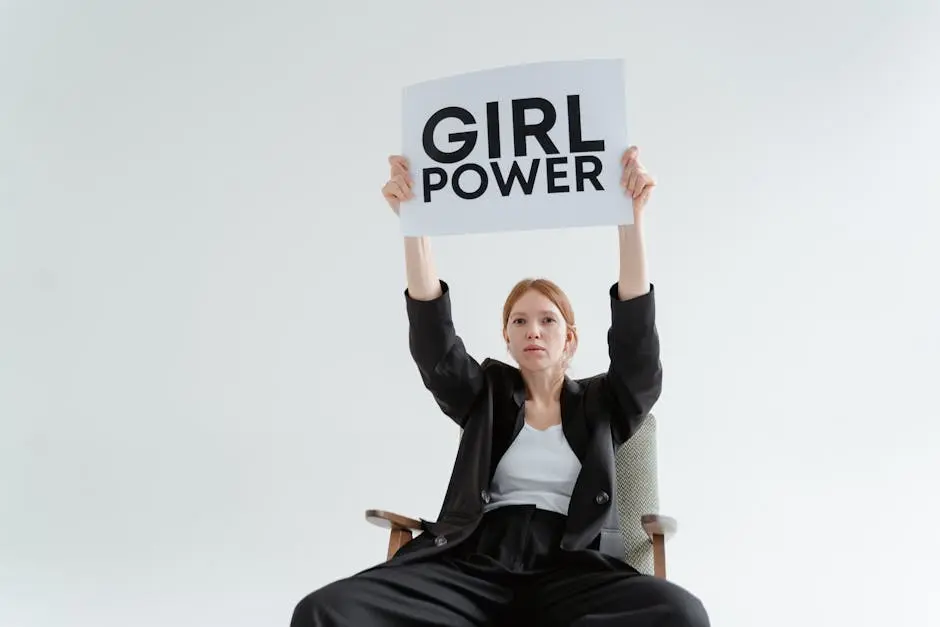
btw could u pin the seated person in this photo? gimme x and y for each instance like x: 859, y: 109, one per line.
x: 520, y: 537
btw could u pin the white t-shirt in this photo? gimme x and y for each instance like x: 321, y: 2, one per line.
x: 538, y: 469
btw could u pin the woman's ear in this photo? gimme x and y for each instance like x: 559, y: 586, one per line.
x: 571, y: 346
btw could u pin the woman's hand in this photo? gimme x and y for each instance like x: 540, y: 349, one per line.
x: 636, y: 181
x: 398, y: 187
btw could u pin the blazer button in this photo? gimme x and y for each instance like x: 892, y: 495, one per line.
x: 440, y: 540
x: 601, y: 498
x: 485, y: 496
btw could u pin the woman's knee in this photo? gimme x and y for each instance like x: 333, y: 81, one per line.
x: 684, y: 608
x: 317, y: 608
x: 692, y: 613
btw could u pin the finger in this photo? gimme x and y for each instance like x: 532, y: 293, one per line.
x: 397, y: 182
x: 394, y: 190
x: 400, y: 167
x: 649, y: 184
x: 628, y: 170
x: 404, y: 182
x: 398, y: 163
x: 644, y: 183
x: 402, y: 179
x: 397, y: 185
x: 644, y: 196
x: 630, y: 154
x: 405, y: 186
x: 633, y: 182
x: 406, y: 175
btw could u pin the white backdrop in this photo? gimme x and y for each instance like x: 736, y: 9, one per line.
x: 203, y: 355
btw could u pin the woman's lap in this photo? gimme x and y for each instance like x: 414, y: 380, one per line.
x: 455, y: 592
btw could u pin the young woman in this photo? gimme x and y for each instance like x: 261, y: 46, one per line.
x: 528, y: 530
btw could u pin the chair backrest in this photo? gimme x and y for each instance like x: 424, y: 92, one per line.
x: 638, y: 493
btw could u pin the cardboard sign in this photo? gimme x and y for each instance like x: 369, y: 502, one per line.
x: 525, y: 147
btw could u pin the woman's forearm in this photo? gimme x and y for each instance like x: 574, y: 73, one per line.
x: 423, y: 282
x: 634, y: 280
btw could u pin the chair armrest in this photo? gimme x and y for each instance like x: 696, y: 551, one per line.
x: 390, y: 520
x: 657, y: 525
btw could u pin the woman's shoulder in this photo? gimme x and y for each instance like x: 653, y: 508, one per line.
x: 502, y: 376
x: 498, y: 368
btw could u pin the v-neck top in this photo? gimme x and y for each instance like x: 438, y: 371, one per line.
x: 539, y: 468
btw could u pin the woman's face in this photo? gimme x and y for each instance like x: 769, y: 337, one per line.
x: 537, y: 333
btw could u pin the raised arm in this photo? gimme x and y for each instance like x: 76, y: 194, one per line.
x: 452, y: 376
x: 423, y: 282
x: 634, y: 377
x: 638, y: 185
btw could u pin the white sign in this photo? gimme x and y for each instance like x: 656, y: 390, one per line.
x: 525, y: 147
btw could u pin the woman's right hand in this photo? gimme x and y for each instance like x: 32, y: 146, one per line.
x: 398, y: 187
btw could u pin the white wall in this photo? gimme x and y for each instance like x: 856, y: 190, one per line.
x: 203, y: 359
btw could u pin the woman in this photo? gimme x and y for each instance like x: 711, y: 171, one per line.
x: 527, y: 534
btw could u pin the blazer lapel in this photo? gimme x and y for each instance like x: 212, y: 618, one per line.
x: 573, y: 422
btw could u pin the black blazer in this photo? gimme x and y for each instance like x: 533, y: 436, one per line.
x: 488, y: 400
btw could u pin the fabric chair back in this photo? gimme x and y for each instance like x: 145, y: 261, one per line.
x: 638, y: 493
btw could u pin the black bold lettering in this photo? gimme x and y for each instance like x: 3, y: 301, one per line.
x: 539, y: 130
x: 492, y: 129
x: 515, y: 172
x: 428, y: 186
x: 550, y: 163
x: 580, y: 175
x: 575, y: 142
x: 484, y: 181
x: 469, y: 138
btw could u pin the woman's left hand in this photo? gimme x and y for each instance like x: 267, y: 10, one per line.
x: 636, y: 181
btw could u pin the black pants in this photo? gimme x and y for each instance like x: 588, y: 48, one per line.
x: 509, y: 572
